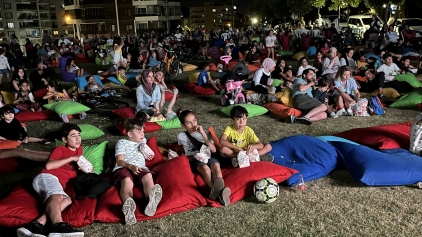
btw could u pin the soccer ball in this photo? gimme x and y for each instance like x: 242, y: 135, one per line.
x: 266, y: 190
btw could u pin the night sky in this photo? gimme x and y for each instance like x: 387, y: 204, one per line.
x: 241, y: 4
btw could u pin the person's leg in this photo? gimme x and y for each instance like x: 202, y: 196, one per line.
x: 172, y: 101
x: 55, y: 205
x: 272, y: 52
x: 1, y: 76
x: 316, y: 110
x: 205, y: 172
x: 25, y: 153
x: 154, y: 192
x: 147, y: 183
x: 227, y: 152
x: 126, y: 188
x: 35, y: 139
x: 318, y: 116
x: 269, y: 51
x: 267, y: 148
x: 339, y: 102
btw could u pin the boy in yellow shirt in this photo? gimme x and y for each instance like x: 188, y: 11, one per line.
x: 240, y: 137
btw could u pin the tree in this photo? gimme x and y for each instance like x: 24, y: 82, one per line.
x: 268, y: 8
x: 300, y: 7
x: 338, y: 4
x: 318, y: 4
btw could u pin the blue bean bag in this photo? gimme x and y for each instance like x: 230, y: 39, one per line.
x: 335, y: 139
x: 380, y: 168
x: 312, y: 157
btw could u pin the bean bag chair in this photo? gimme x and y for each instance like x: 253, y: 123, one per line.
x: 39, y: 94
x: 380, y: 168
x: 284, y: 53
x: 389, y: 93
x: 23, y: 205
x: 169, y: 95
x: 193, y: 77
x: 193, y: 88
x: 285, y: 96
x: 409, y: 78
x: 189, y: 67
x: 382, y: 137
x: 410, y: 100
x: 179, y: 194
x: 253, y: 110
x: 311, y: 157
x: 282, y: 111
x: 252, y: 68
x: 28, y: 116
x: 300, y: 55
x: 242, y: 180
x: 8, y: 144
x: 8, y: 165
x: 8, y: 97
x: 108, y: 60
x: 67, y: 76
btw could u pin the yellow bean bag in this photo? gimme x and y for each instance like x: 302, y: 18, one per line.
x: 300, y: 55
x: 389, y: 93
x: 8, y: 97
x: 188, y: 67
x: 286, y: 96
x: 194, y: 77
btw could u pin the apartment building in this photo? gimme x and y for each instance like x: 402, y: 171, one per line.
x: 121, y: 16
x: 30, y: 19
x: 212, y: 15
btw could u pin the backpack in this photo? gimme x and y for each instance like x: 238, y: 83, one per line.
x: 375, y: 106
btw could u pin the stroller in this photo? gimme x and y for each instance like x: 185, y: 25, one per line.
x: 234, y: 93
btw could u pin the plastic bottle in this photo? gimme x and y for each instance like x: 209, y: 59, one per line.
x: 302, y: 185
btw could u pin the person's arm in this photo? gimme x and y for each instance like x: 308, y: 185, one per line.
x: 208, y: 142
x: 299, y: 72
x: 54, y: 164
x: 257, y: 77
x: 66, y: 96
x: 120, y: 161
x: 47, y: 96
x: 257, y: 145
x: 225, y: 143
x: 343, y: 62
x: 140, y: 98
x: 303, y: 87
x: 17, y: 100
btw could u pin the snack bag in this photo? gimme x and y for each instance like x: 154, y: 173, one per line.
x: 146, y: 151
x: 204, y: 154
x: 254, y: 156
x: 243, y: 159
x: 172, y: 154
x: 85, y: 165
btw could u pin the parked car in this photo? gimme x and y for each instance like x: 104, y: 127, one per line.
x: 361, y: 23
x: 330, y: 18
x: 415, y: 24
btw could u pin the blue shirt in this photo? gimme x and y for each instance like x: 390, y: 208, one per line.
x: 203, y: 78
x: 297, y: 91
x: 144, y: 100
x: 349, y: 88
x: 312, y: 51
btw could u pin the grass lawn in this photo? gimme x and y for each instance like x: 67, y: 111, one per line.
x: 336, y: 205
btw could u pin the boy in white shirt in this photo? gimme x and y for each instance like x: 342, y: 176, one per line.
x: 389, y: 68
x: 270, y: 41
x: 131, y: 169
x: 4, y: 65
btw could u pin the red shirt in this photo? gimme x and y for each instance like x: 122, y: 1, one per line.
x: 67, y: 171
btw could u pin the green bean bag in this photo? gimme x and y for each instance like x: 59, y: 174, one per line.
x: 284, y: 53
x: 410, y: 100
x: 409, y: 78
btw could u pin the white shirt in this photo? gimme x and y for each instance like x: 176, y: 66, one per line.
x: 392, y: 36
x: 301, y: 69
x: 4, y: 64
x: 258, y: 75
x: 178, y: 36
x: 225, y: 36
x: 65, y: 41
x: 389, y: 71
x: 131, y: 153
x: 270, y: 41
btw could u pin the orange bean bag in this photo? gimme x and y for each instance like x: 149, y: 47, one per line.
x: 282, y: 110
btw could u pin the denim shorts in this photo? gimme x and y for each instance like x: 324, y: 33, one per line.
x: 194, y: 163
x: 3, y: 71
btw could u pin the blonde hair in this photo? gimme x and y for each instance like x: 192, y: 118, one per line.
x: 332, y: 49
x: 342, y: 70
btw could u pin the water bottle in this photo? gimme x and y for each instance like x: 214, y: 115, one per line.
x: 302, y: 185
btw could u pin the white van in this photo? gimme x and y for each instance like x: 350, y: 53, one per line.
x: 361, y: 22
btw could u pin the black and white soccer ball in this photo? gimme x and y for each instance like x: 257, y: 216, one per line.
x: 266, y: 190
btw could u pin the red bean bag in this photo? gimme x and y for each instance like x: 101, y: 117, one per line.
x: 39, y: 94
x: 169, y: 96
x: 213, y: 67
x: 388, y: 136
x: 124, y: 113
x: 28, y: 116
x: 242, y: 180
x: 193, y: 88
x: 148, y: 127
x: 179, y: 194
x: 23, y: 205
x: 8, y: 144
x: 8, y: 165
x: 158, y: 157
x: 282, y: 110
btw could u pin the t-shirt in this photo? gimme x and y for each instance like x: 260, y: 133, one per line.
x: 203, y: 78
x: 241, y: 140
x: 389, y: 71
x: 67, y: 171
x: 190, y: 150
x: 59, y: 97
x: 121, y: 79
x: 312, y: 51
x: 178, y: 36
x: 131, y: 153
x: 348, y: 88
x: 298, y: 92
x: 270, y: 41
x: 301, y: 69
x: 13, y: 130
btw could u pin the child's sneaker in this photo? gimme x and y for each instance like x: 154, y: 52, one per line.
x: 32, y: 229
x: 333, y: 115
x: 45, y: 141
x: 303, y: 120
x: 155, y: 196
x: 224, y: 197
x: 83, y: 116
x: 349, y: 112
x: 235, y: 163
x: 128, y: 209
x: 292, y: 118
x: 341, y: 112
x: 65, y: 119
x: 218, y: 186
x: 267, y: 157
x: 63, y: 229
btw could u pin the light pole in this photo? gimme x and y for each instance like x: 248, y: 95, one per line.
x: 117, y: 18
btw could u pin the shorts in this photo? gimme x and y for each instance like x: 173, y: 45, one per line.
x: 123, y: 173
x: 305, y: 103
x: 46, y: 185
x: 169, y: 116
x: 270, y: 47
x: 3, y: 71
x: 194, y: 163
x: 331, y: 99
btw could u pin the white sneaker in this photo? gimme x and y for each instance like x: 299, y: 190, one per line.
x: 349, y: 112
x: 128, y: 209
x: 333, y: 115
x: 155, y: 196
x: 234, y: 162
x: 341, y: 112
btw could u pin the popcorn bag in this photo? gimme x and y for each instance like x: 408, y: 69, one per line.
x: 85, y: 165
x: 172, y: 154
x: 204, y: 154
x: 243, y: 159
x: 360, y: 108
x: 146, y: 151
x: 254, y: 156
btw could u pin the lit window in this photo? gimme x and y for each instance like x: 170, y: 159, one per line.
x: 234, y: 7
x: 214, y: 20
x: 56, y: 32
x: 227, y: 9
x: 213, y: 10
x: 10, y: 25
